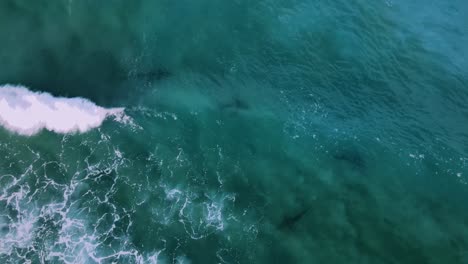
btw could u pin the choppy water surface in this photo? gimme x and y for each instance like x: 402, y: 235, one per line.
x: 233, y: 131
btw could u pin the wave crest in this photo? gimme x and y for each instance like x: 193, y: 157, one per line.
x: 26, y: 112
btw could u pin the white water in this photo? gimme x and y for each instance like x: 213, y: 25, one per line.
x: 26, y: 112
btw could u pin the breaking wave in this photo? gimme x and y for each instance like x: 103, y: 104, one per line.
x: 26, y: 112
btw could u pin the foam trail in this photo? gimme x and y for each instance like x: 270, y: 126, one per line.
x: 26, y: 112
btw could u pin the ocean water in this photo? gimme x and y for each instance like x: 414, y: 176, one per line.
x: 296, y: 131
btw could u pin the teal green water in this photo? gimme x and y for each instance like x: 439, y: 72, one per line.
x: 265, y: 131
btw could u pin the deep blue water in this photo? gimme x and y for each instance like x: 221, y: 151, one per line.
x: 266, y: 131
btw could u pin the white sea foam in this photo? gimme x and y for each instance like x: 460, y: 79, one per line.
x: 26, y: 112
x: 57, y: 230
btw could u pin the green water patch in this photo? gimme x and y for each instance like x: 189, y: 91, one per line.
x: 262, y: 132
x: 203, y: 183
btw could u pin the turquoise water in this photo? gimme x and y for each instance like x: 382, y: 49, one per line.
x: 263, y: 131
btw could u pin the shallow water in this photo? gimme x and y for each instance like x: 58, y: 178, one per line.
x: 257, y: 132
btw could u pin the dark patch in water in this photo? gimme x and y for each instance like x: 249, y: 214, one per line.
x: 290, y: 221
x: 352, y: 157
x: 4, y: 229
x: 236, y: 104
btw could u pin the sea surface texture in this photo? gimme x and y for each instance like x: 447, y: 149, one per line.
x: 235, y: 131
